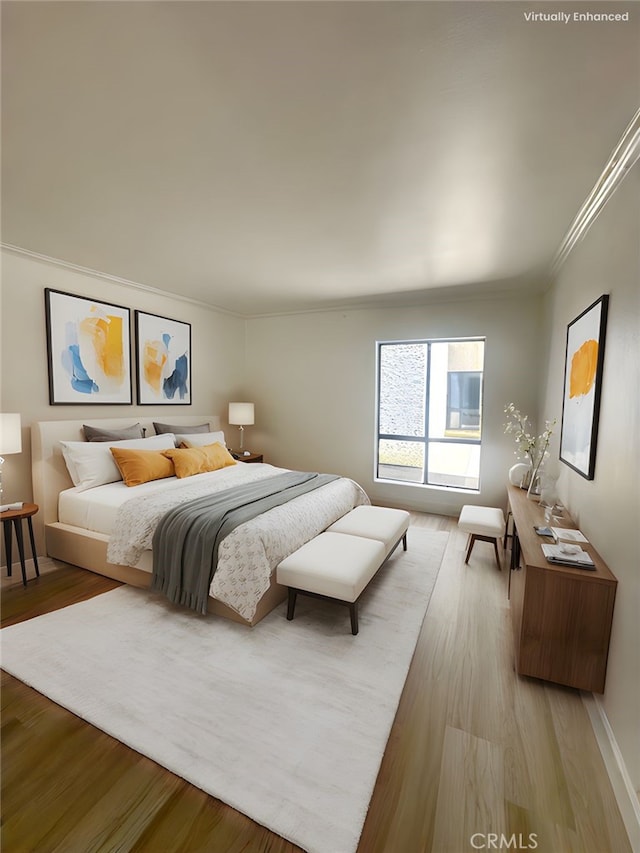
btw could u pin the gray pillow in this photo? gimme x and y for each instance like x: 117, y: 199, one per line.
x: 99, y: 434
x: 182, y: 429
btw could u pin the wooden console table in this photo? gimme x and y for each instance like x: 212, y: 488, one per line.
x: 561, y: 616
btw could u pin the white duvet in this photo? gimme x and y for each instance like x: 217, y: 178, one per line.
x: 248, y: 555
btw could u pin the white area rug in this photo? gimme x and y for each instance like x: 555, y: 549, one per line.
x: 286, y: 722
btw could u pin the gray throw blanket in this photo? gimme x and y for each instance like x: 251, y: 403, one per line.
x: 186, y: 540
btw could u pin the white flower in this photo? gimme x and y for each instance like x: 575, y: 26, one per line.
x: 534, y: 448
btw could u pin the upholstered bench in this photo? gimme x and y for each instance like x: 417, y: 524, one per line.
x: 375, y: 522
x: 339, y: 563
x: 482, y: 522
x: 332, y: 565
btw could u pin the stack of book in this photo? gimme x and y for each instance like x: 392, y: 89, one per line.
x: 568, y: 555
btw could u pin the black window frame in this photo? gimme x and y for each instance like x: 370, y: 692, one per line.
x: 425, y: 440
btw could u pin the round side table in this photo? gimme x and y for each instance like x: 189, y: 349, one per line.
x: 16, y: 517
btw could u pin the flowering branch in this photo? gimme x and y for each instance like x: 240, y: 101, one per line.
x: 535, y: 448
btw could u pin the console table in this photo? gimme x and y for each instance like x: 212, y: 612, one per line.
x: 561, y: 615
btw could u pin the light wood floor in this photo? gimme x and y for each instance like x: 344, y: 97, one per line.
x: 474, y: 749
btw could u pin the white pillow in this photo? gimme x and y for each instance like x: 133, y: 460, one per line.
x: 200, y: 439
x: 91, y: 463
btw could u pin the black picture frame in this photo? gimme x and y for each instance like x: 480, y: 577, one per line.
x: 582, y: 388
x: 88, y: 350
x: 163, y: 360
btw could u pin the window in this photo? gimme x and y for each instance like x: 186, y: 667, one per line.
x: 429, y: 412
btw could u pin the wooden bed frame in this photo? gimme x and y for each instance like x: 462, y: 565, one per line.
x: 85, y: 548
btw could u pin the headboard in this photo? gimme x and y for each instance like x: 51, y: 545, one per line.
x: 49, y: 471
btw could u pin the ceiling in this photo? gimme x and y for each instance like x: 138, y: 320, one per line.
x: 268, y: 157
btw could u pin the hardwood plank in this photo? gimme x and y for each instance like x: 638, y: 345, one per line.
x: 124, y: 810
x: 477, y: 702
x: 470, y: 791
x: 534, y: 772
x: 67, y: 770
x: 402, y: 809
x: 532, y: 829
x: 190, y: 819
x: 51, y: 591
x: 600, y: 825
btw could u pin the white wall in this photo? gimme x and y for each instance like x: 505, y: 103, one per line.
x: 608, y: 507
x: 313, y: 379
x: 217, y: 342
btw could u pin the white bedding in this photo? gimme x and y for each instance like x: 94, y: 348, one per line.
x: 247, y: 557
x: 96, y: 509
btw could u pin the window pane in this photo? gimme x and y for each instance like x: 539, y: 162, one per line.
x: 455, y: 392
x: 463, y: 403
x: 455, y: 465
x: 401, y: 460
x: 403, y: 389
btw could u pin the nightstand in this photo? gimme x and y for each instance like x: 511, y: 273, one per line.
x: 16, y: 516
x: 253, y: 457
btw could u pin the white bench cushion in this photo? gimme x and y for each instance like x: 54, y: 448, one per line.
x: 374, y: 522
x: 333, y: 564
x: 482, y: 520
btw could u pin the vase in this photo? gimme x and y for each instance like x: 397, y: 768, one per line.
x: 535, y: 485
x: 520, y: 475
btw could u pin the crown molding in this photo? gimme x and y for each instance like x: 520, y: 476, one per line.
x: 134, y: 285
x: 625, y: 155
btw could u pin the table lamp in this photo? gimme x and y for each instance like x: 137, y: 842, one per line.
x: 10, y: 439
x: 242, y: 415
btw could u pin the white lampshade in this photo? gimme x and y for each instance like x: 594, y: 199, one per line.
x: 10, y: 434
x: 241, y: 413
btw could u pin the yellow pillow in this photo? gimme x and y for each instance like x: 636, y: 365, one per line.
x: 199, y: 460
x: 142, y: 466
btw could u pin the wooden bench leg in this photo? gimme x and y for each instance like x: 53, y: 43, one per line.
x: 291, y: 605
x: 353, y: 610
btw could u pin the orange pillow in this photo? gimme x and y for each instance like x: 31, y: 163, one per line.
x: 142, y: 466
x: 199, y: 460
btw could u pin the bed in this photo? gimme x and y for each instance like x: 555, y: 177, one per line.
x: 86, y: 527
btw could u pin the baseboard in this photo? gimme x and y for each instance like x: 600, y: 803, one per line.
x: 621, y: 783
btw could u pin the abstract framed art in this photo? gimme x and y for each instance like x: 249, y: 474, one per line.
x: 163, y: 359
x: 584, y: 363
x: 88, y: 350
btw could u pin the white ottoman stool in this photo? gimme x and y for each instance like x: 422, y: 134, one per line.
x: 482, y: 522
x: 387, y: 525
x: 334, y: 566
